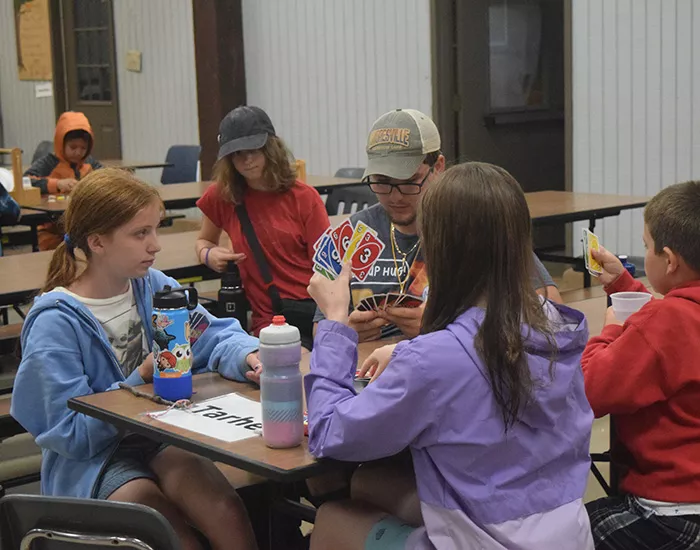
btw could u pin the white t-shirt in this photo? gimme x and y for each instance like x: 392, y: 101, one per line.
x: 120, y: 319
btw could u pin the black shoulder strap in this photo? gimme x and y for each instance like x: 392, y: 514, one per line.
x: 263, y: 266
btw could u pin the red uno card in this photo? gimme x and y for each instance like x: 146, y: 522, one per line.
x: 392, y: 300
x: 410, y: 301
x: 342, y: 235
x: 368, y: 250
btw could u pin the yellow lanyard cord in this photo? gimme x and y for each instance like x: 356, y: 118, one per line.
x: 394, y: 248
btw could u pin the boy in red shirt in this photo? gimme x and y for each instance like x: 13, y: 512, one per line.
x: 646, y: 372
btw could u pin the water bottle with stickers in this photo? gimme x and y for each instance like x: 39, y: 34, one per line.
x: 172, y: 354
x: 281, y: 393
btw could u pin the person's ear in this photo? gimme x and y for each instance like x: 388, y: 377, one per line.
x: 439, y: 166
x: 96, y: 244
x: 672, y: 259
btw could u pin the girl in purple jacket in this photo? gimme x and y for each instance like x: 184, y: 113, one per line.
x: 489, y: 398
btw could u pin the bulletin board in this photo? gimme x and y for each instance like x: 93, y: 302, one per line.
x: 33, y: 38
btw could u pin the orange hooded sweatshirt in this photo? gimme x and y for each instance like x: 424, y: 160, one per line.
x: 47, y: 171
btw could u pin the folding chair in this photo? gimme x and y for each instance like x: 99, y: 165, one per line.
x: 31, y: 522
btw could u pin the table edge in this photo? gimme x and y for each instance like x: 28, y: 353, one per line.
x: 262, y: 469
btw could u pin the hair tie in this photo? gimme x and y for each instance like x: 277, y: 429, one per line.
x: 69, y: 243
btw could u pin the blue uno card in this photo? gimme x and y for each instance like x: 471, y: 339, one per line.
x: 329, y: 254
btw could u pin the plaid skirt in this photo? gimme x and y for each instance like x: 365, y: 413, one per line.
x: 619, y: 523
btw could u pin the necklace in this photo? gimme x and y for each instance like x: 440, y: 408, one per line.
x: 394, y: 249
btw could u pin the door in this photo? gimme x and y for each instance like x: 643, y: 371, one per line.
x: 507, y: 100
x: 90, y: 84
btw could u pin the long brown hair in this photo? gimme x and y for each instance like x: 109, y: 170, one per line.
x: 475, y: 227
x: 279, y: 171
x: 105, y: 200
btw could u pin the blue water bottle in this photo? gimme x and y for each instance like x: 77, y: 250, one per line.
x: 172, y: 355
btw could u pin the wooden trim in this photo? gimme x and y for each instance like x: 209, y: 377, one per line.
x: 568, y: 116
x: 220, y: 65
x: 444, y: 72
x: 57, y: 58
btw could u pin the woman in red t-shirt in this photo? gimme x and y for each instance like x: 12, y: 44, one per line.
x: 254, y: 169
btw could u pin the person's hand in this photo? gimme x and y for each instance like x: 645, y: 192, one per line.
x: 219, y: 257
x: 375, y: 364
x: 610, y: 318
x: 611, y: 264
x: 66, y: 185
x: 332, y: 297
x: 146, y: 369
x: 256, y: 366
x: 367, y: 324
x: 407, y: 319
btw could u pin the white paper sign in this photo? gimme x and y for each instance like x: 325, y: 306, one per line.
x: 43, y: 89
x: 230, y: 417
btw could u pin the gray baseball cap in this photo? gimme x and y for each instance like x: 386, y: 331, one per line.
x: 244, y: 128
x: 398, y: 143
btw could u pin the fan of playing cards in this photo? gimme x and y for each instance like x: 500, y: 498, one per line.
x: 358, y: 245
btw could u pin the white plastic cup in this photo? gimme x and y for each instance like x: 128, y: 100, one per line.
x: 625, y: 304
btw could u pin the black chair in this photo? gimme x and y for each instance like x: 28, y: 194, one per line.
x: 43, y: 149
x: 352, y: 173
x: 58, y: 523
x: 184, y: 159
x: 361, y: 196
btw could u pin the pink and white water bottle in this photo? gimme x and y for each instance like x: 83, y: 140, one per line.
x: 281, y: 393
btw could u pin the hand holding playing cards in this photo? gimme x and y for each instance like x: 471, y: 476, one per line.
x: 367, y: 324
x: 375, y: 364
x: 408, y: 320
x: 219, y: 256
x: 332, y: 297
x: 612, y: 266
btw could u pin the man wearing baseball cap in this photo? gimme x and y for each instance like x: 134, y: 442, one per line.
x: 403, y: 159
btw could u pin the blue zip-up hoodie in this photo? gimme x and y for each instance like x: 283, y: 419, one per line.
x: 66, y: 354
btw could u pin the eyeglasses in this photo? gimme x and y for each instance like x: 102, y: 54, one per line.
x: 407, y: 188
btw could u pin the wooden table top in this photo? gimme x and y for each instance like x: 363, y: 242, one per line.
x: 133, y: 165
x: 127, y: 411
x: 554, y: 204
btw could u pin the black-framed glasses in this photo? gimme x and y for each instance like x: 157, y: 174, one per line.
x: 405, y: 188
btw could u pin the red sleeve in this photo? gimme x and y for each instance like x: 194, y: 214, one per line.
x: 626, y: 283
x: 215, y: 207
x: 623, y: 371
x: 316, y: 220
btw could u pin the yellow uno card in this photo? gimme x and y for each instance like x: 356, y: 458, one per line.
x: 360, y: 229
x: 590, y: 242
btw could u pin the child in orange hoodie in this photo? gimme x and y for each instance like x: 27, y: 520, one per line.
x: 59, y: 171
x: 646, y: 372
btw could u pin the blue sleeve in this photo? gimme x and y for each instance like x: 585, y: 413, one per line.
x: 541, y: 278
x: 385, y: 418
x: 8, y: 206
x: 222, y: 347
x: 51, y: 373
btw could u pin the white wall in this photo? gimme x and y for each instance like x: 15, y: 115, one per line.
x: 325, y: 70
x: 158, y: 106
x: 636, y: 103
x: 26, y: 120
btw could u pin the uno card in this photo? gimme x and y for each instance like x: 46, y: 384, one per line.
x: 329, y: 255
x: 324, y: 272
x: 320, y: 239
x: 342, y: 235
x: 377, y: 300
x: 365, y: 255
x: 363, y: 305
x: 590, y: 242
x: 410, y: 301
x: 392, y: 300
x: 360, y: 229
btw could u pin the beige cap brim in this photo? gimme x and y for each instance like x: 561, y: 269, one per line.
x: 399, y: 167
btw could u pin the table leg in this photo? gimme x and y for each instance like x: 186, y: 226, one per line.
x: 35, y: 237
